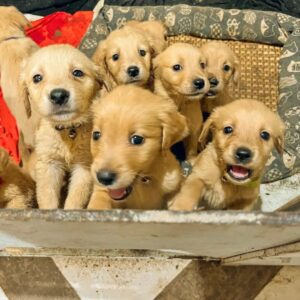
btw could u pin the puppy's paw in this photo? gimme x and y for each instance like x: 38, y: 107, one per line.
x: 180, y: 204
x: 4, y: 160
x: 99, y: 205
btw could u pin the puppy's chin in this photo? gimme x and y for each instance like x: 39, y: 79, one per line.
x: 195, y: 97
x: 238, y: 175
x: 191, y: 95
x: 63, y: 116
x: 136, y: 81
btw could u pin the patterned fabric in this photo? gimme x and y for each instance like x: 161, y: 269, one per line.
x: 245, y: 25
x: 58, y: 28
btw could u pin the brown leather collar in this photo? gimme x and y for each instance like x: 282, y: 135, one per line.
x: 72, y: 129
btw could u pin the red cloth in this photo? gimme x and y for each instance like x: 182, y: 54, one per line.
x: 60, y: 28
x: 57, y: 28
x: 9, y: 135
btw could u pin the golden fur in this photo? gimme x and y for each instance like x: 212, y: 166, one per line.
x: 219, y: 56
x: 61, y: 67
x: 127, y: 43
x: 179, y: 85
x: 149, y: 168
x: 214, y: 178
x: 14, y: 48
x: 17, y: 189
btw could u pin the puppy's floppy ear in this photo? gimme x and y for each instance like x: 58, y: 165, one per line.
x: 18, y: 18
x: 279, y: 138
x: 99, y: 58
x: 24, y: 95
x: 99, y: 78
x: 208, y: 126
x: 155, y: 63
x: 236, y: 69
x: 174, y: 128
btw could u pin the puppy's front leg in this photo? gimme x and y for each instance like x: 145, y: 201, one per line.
x: 49, y: 180
x: 80, y: 188
x: 100, y: 199
x: 189, y: 195
x: 195, y: 119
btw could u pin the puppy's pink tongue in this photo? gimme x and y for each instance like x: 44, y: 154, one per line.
x: 239, y: 172
x: 117, y: 193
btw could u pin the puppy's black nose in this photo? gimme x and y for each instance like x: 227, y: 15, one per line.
x: 133, y: 71
x: 106, y: 177
x: 59, y: 96
x: 243, y: 155
x: 199, y: 83
x: 213, y: 81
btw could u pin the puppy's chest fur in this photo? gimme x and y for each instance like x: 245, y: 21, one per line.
x: 52, y: 144
x: 224, y: 195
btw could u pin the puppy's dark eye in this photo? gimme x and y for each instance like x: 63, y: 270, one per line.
x: 136, y: 140
x: 142, y: 52
x: 227, y: 129
x: 37, y: 78
x: 115, y: 57
x: 177, y: 67
x: 77, y: 73
x: 265, y: 135
x: 96, y: 135
x: 226, y: 68
x: 202, y: 65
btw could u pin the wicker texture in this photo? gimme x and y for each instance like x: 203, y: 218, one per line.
x: 259, y: 69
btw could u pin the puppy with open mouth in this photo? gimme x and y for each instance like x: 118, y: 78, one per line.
x: 60, y: 82
x: 222, y: 66
x: 132, y: 164
x: 227, y: 173
x: 179, y: 74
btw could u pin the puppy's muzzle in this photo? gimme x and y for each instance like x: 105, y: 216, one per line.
x: 243, y: 155
x: 59, y: 96
x: 199, y: 83
x: 213, y: 81
x: 106, y: 177
x: 133, y: 71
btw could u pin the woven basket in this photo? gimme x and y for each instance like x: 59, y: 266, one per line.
x: 268, y: 47
x: 259, y: 69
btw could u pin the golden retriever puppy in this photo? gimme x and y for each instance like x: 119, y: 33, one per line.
x: 125, y: 55
x: 14, y: 48
x: 180, y: 74
x: 223, y: 66
x: 132, y: 164
x: 227, y: 173
x: 61, y: 82
x: 17, y: 189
